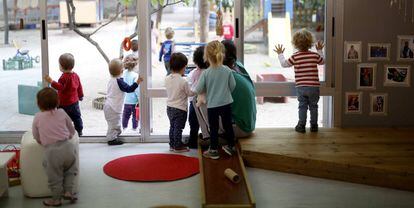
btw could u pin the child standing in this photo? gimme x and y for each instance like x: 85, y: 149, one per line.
x: 115, y: 99
x: 178, y: 92
x: 52, y: 128
x: 194, y: 76
x: 167, y: 49
x: 131, y: 99
x: 218, y: 82
x: 69, y: 90
x: 306, y: 64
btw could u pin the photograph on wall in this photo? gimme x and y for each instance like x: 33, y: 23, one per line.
x: 352, y: 51
x: 379, y: 51
x: 353, y: 102
x: 378, y: 104
x: 397, y: 76
x: 405, y: 48
x: 366, y: 76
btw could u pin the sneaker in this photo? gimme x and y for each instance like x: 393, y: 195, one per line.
x: 115, y: 142
x: 212, y: 154
x: 314, y: 128
x: 181, y: 149
x: 229, y: 150
x: 171, y: 149
x: 300, y: 128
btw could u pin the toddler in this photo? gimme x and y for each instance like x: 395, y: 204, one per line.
x: 69, y: 89
x: 117, y: 88
x: 218, y: 83
x: 131, y: 99
x: 167, y: 49
x: 306, y: 64
x: 178, y: 92
x: 52, y: 128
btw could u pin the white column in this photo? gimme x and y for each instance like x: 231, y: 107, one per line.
x: 144, y: 39
x: 44, y: 40
x: 239, y: 28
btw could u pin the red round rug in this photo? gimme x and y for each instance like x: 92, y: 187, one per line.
x: 152, y: 167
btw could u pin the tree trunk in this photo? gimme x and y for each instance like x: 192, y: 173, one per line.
x: 159, y: 16
x: 204, y: 20
x: 6, y: 22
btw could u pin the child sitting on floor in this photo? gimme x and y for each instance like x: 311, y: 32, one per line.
x: 131, y: 99
x: 69, y: 89
x: 218, y: 82
x: 117, y: 88
x: 52, y: 128
x: 306, y: 64
x: 178, y: 92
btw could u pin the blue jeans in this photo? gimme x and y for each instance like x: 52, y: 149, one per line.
x: 74, y: 113
x: 177, y: 119
x: 308, y: 97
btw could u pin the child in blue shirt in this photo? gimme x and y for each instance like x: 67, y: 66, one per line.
x: 218, y: 82
x: 167, y: 49
x: 131, y: 99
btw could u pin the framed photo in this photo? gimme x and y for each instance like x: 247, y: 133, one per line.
x: 352, y: 51
x: 353, y: 103
x: 405, y: 48
x: 366, y: 76
x: 379, y: 51
x: 397, y: 76
x: 379, y: 104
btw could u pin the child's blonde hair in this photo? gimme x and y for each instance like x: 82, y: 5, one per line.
x: 169, y: 33
x: 302, y: 40
x: 115, y: 67
x: 214, y: 53
x: 130, y: 62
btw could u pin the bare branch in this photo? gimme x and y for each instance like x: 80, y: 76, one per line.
x: 73, y: 26
x: 118, y: 12
x: 166, y: 5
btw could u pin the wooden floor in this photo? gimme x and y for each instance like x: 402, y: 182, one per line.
x: 219, y: 192
x: 380, y: 157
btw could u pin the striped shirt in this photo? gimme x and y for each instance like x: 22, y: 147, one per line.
x: 306, y: 67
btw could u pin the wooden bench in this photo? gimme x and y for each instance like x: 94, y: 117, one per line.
x: 218, y: 191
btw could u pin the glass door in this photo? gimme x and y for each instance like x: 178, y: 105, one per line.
x: 260, y: 25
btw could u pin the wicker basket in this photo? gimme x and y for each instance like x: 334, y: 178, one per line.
x: 98, y: 103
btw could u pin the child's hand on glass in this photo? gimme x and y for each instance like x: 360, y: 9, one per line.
x: 279, y: 49
x: 319, y: 45
x: 48, y: 79
x: 139, y: 80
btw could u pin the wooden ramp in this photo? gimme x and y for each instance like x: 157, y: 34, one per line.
x: 218, y: 191
x: 380, y: 157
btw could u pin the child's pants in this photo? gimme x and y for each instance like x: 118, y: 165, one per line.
x: 177, y: 119
x: 308, y: 97
x: 128, y: 110
x: 214, y: 115
x: 194, y: 126
x: 60, y: 166
x: 74, y: 113
x: 167, y: 67
x: 114, y: 123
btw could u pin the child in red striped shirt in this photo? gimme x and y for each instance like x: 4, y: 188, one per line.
x: 305, y: 63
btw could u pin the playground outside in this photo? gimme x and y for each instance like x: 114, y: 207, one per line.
x: 94, y: 75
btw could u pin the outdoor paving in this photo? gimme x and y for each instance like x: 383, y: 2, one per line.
x: 92, y: 70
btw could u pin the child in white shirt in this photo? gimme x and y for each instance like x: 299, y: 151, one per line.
x: 178, y: 91
x: 117, y: 88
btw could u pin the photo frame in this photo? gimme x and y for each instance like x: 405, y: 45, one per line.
x: 405, y: 49
x: 379, y: 51
x: 352, y: 51
x: 378, y: 104
x: 397, y: 75
x: 366, y: 76
x: 353, y: 103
